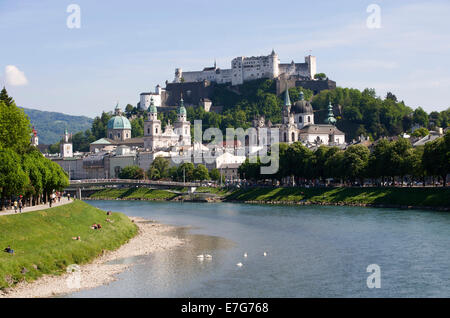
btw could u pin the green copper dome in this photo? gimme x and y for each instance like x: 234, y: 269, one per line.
x: 330, y: 119
x: 182, y: 109
x: 152, y: 108
x: 119, y: 122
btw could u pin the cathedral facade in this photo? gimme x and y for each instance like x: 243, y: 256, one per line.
x: 298, y: 125
x: 177, y: 135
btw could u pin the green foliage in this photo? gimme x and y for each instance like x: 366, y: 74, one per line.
x: 100, y: 125
x: 159, y: 169
x: 50, y: 125
x: 436, y: 157
x: 15, y: 129
x: 137, y: 127
x: 12, y: 177
x: 48, y: 246
x: 132, y: 172
x: 320, y: 76
x: 421, y: 132
x: 201, y: 173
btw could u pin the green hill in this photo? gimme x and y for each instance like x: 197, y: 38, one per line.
x: 50, y: 125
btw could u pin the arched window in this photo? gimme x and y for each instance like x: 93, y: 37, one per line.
x: 293, y: 136
x: 309, y: 119
x: 156, y: 130
x: 285, y: 137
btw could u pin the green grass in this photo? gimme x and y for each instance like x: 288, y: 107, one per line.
x: 432, y: 197
x: 133, y: 193
x: 43, y: 239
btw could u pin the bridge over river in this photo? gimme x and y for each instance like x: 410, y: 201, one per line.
x: 88, y: 185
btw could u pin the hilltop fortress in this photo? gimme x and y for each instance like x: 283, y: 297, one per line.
x: 197, y: 87
x: 250, y: 68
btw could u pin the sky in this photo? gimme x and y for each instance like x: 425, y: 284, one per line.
x: 123, y: 48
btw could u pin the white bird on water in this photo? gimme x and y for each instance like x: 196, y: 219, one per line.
x: 245, y: 255
x: 200, y: 257
x: 265, y: 254
x: 207, y: 256
x: 239, y: 264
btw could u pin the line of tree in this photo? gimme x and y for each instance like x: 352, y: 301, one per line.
x: 23, y: 169
x: 387, y: 163
x: 160, y: 169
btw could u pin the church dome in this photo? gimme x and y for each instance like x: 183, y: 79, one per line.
x: 119, y: 122
x: 302, y: 107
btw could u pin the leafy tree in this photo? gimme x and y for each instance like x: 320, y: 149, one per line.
x: 320, y: 76
x: 355, y: 161
x: 436, y: 157
x: 159, y: 168
x: 100, y: 125
x: 201, y: 173
x: 420, y: 117
x: 137, y: 127
x: 15, y: 129
x: 132, y: 172
x: 187, y: 170
x: 4, y: 97
x: 12, y: 177
x: 420, y: 132
x: 214, y: 174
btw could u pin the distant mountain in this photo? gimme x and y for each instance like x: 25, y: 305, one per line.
x: 50, y: 125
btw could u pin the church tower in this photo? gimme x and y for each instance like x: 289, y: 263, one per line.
x: 66, y: 149
x: 182, y: 125
x: 286, y: 107
x: 34, y: 138
x: 152, y: 127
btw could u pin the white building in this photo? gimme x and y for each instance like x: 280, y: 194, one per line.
x: 145, y: 98
x: 66, y: 148
x: 250, y: 68
x: 298, y: 125
x: 178, y: 135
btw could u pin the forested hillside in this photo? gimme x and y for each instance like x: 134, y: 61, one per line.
x: 51, y: 125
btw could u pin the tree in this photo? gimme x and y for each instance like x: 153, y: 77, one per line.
x: 132, y: 172
x: 355, y: 161
x: 379, y: 160
x: 436, y: 157
x: 15, y: 129
x: 320, y: 76
x: 420, y: 132
x: 100, y: 125
x: 4, y: 97
x: 137, y: 127
x: 159, y: 168
x: 201, y: 173
x: 214, y: 174
x: 187, y: 170
x: 12, y: 178
x: 420, y: 117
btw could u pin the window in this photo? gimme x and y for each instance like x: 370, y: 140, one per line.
x: 285, y: 137
x: 148, y: 131
x: 293, y: 136
x: 309, y: 119
x: 156, y: 130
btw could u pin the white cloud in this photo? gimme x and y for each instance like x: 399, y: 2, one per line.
x: 14, y: 76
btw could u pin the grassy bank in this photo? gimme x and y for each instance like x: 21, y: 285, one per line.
x: 426, y: 197
x: 133, y: 193
x: 43, y: 244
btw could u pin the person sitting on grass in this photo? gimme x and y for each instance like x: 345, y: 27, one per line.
x: 99, y: 226
x: 109, y: 220
x: 9, y: 250
x: 77, y: 238
x: 94, y: 226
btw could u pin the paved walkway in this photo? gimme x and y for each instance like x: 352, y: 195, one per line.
x: 36, y: 207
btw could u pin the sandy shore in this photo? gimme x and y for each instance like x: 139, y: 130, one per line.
x: 151, y: 238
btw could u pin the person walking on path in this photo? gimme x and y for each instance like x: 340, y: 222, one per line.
x: 20, y: 206
x: 15, y: 206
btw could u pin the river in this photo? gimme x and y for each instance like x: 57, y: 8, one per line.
x: 311, y: 251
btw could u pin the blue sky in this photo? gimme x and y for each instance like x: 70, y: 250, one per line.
x: 126, y: 47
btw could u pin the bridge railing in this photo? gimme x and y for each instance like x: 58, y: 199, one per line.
x: 133, y: 181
